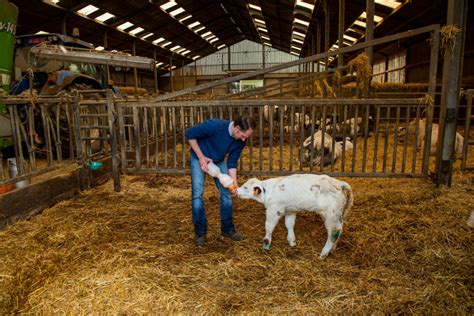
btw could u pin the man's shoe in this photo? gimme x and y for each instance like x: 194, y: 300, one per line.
x: 200, y: 240
x: 234, y: 236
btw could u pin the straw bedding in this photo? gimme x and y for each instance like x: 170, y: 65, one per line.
x: 405, y: 249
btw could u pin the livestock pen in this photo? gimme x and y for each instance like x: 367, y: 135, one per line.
x: 127, y: 246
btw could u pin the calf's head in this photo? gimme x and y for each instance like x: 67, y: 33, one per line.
x: 252, y: 189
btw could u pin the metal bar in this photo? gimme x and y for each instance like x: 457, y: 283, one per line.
x: 31, y: 134
x: 289, y: 103
x: 250, y: 140
x: 467, y: 124
x: 28, y: 145
x: 77, y: 130
x: 95, y: 127
x: 292, y: 126
x: 435, y: 37
x: 301, y: 131
x: 136, y: 138
x: 173, y: 126
x: 270, y: 137
x: 147, y: 137
x: 70, y: 129
x: 311, y: 148
x: 285, y: 173
x: 326, y: 54
x: 47, y: 136
x: 395, y: 140
x: 112, y: 141
x: 415, y: 145
x: 385, y: 143
x: 57, y: 142
x: 376, y: 142
x: 260, y: 134
x: 89, y: 138
x: 355, y: 133
x: 343, y: 160
x: 366, y: 136
x: 156, y: 134
x: 123, y: 148
x: 165, y: 135
x: 405, y: 141
x: 183, y: 140
x: 108, y: 58
x: 58, y: 131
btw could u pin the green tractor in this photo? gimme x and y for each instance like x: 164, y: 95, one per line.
x: 42, y: 76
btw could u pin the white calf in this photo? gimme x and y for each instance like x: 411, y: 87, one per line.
x: 285, y: 196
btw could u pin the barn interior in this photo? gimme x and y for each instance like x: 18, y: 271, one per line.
x: 95, y: 192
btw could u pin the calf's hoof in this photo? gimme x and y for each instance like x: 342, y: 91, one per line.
x: 266, y: 244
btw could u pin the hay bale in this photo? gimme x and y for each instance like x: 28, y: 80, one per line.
x: 361, y: 66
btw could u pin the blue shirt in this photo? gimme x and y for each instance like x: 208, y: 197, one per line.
x: 215, y: 141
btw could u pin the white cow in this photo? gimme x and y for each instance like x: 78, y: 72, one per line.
x: 285, y: 196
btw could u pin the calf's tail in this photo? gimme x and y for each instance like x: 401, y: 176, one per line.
x: 346, y: 188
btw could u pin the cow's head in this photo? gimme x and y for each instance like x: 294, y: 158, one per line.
x: 252, y: 189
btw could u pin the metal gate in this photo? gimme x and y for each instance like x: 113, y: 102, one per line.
x: 152, y: 135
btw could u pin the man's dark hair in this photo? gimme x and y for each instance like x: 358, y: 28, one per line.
x: 245, y: 122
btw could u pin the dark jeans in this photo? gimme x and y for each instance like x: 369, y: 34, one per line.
x: 198, y: 209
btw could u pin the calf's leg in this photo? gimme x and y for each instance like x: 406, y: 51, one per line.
x: 290, y: 224
x: 272, y: 218
x: 333, y: 225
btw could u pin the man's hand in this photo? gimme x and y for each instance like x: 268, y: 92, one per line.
x: 203, y: 161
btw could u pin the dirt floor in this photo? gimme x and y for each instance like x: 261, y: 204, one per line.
x: 405, y: 248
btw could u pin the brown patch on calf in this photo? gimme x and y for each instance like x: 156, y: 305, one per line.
x: 256, y: 191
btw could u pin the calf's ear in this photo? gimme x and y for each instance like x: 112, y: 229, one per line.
x: 257, y: 190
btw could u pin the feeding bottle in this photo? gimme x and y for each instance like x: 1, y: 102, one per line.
x: 224, y: 179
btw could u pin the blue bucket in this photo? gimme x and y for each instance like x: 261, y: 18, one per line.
x: 94, y: 165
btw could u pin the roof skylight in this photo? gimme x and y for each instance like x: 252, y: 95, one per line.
x: 259, y: 22
x: 124, y: 26
x: 300, y: 26
x: 196, y: 27
x: 136, y: 30
x: 104, y: 17
x: 87, y: 10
